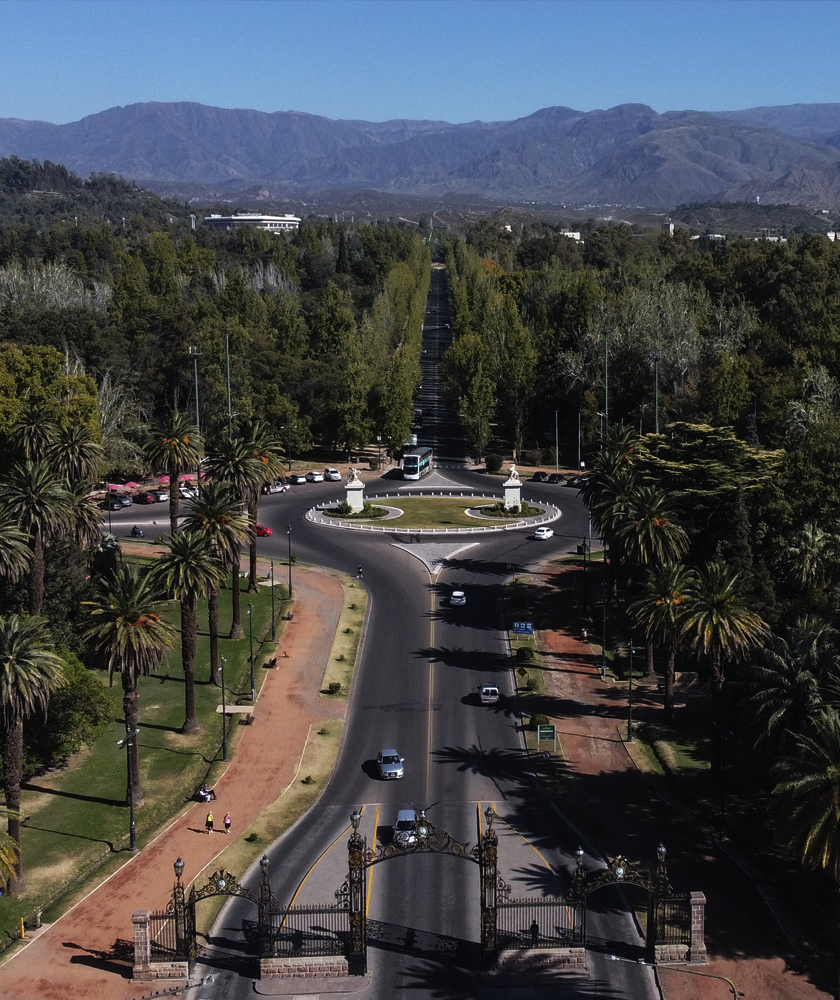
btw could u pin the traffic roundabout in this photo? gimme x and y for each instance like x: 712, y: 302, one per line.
x: 439, y: 508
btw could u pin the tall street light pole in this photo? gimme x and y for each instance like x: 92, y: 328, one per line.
x: 657, y: 357
x: 251, y: 640
x: 195, y: 354
x: 289, y: 535
x: 273, y: 623
x: 222, y: 666
x: 606, y: 381
x: 227, y: 359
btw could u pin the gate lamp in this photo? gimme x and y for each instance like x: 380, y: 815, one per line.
x: 179, y: 869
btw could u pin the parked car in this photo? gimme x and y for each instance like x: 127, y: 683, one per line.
x: 489, y: 694
x: 390, y: 764
x: 314, y: 477
x: 278, y: 486
x: 262, y: 531
x: 297, y: 478
x: 556, y: 477
x: 332, y: 475
x: 543, y: 532
x: 405, y: 828
x: 576, y: 481
x: 145, y: 496
x: 124, y: 498
x: 111, y: 503
x: 457, y: 597
x: 161, y: 495
x: 188, y: 492
x: 539, y: 477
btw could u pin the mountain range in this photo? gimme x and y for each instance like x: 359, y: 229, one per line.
x: 627, y: 155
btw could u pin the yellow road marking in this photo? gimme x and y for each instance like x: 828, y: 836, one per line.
x: 370, y: 870
x: 428, y: 795
x: 522, y: 836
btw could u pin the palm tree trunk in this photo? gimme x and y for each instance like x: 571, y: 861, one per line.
x: 12, y: 774
x: 649, y: 659
x: 253, y: 511
x: 189, y: 631
x: 36, y: 574
x: 669, y: 682
x: 174, y: 501
x: 236, y: 630
x: 213, y: 626
x: 131, y: 698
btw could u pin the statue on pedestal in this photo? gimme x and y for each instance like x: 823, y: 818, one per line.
x: 352, y: 475
x: 513, y: 475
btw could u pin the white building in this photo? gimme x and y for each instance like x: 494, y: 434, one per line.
x: 273, y: 223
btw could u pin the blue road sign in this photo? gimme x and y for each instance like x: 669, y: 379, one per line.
x: 523, y: 628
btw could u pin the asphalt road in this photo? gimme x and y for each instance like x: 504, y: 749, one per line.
x: 415, y: 689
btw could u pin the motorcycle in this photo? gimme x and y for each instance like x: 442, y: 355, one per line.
x: 137, y: 532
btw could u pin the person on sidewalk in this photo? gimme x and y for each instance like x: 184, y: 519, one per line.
x: 208, y: 823
x: 227, y: 822
x: 359, y: 573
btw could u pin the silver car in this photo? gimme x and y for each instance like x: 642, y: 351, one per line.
x: 405, y: 828
x: 390, y: 764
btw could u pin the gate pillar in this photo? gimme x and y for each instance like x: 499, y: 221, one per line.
x: 357, y: 956
x: 142, y: 946
x: 697, y: 945
x: 488, y: 860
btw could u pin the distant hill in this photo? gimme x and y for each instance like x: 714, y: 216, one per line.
x: 627, y: 155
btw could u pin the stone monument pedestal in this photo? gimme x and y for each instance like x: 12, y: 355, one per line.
x: 513, y: 493
x: 355, y: 490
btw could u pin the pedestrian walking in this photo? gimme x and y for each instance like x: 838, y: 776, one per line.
x: 208, y: 823
x: 227, y: 822
x: 359, y: 574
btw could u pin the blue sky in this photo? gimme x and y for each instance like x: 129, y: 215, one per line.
x: 454, y: 60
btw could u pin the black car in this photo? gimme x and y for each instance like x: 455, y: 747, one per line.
x: 111, y: 503
x: 124, y: 499
x: 555, y: 477
x: 539, y: 477
x: 145, y: 497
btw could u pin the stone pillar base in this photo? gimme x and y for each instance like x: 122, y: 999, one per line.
x: 541, y: 959
x: 355, y: 491
x: 513, y: 493
x: 314, y: 967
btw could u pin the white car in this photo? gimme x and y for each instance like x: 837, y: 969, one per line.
x: 543, y: 532
x: 457, y: 597
x: 332, y: 475
x: 314, y: 477
x: 489, y: 694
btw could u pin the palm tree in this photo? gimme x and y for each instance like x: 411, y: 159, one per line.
x: 267, y: 450
x: 129, y: 636
x: 104, y: 556
x: 36, y: 500
x: 718, y: 624
x: 809, y: 561
x: 74, y: 454
x: 190, y: 570
x: 232, y: 462
x: 217, y: 515
x: 792, y: 679
x: 14, y: 552
x: 660, y: 613
x: 84, y: 521
x: 806, y: 798
x: 30, y: 670
x: 33, y: 433
x: 175, y: 445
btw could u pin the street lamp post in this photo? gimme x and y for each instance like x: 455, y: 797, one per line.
x: 132, y: 829
x: 606, y: 381
x: 289, y: 535
x: 179, y: 906
x: 273, y: 624
x: 195, y: 354
x: 656, y: 354
x: 630, y: 697
x: 222, y: 665
x: 251, y: 640
x: 604, y: 633
x: 227, y: 359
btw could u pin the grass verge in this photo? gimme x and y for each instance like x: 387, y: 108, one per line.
x: 342, y: 661
x: 439, y: 512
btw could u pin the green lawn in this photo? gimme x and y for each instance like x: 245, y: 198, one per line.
x: 75, y: 818
x: 439, y: 512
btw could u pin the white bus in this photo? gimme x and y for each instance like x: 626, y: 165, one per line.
x: 417, y: 463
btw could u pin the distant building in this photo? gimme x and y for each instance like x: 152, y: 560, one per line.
x: 570, y: 235
x: 273, y: 223
x: 668, y: 227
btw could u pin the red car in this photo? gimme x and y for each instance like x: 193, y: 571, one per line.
x: 262, y: 531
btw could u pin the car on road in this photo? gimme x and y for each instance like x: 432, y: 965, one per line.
x: 576, y: 481
x: 145, y: 496
x: 488, y: 694
x: 457, y: 597
x: 539, y: 477
x: 332, y: 475
x: 297, y: 478
x: 543, y: 532
x: 556, y: 478
x: 314, y: 477
x: 262, y: 531
x: 405, y: 828
x: 390, y: 764
x: 278, y: 486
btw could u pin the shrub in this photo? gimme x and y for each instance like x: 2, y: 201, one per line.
x: 334, y: 687
x: 525, y: 654
x: 493, y: 462
x: 539, y: 720
x: 373, y: 463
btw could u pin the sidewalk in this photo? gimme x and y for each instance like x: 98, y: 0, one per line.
x: 87, y: 954
x: 744, y: 942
